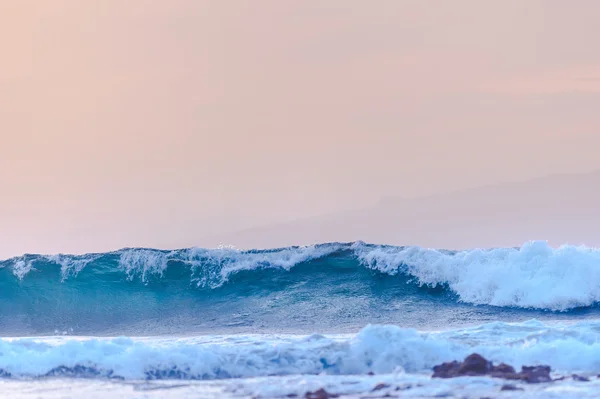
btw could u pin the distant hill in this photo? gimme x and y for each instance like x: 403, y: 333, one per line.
x: 560, y: 209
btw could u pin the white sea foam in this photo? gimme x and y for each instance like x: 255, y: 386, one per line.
x: 21, y: 267
x: 213, y: 267
x: 378, y: 349
x: 143, y: 262
x: 70, y: 265
x: 345, y: 387
x: 533, y: 276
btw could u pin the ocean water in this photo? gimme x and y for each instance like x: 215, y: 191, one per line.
x: 346, y: 317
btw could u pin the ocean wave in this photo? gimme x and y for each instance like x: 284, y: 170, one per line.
x: 534, y: 276
x: 376, y: 348
x: 209, y: 267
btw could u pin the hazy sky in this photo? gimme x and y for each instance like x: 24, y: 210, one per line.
x: 157, y: 123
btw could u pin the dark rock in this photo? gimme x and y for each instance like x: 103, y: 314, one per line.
x: 4, y: 374
x: 508, y: 387
x: 320, y: 394
x: 580, y: 378
x: 380, y: 386
x: 504, y: 371
x: 474, y: 365
x: 477, y: 365
x: 77, y: 371
x: 503, y: 368
x: 536, y: 374
x: 446, y: 370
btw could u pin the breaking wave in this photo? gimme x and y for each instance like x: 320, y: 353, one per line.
x: 533, y: 276
x: 376, y: 348
x: 337, y: 286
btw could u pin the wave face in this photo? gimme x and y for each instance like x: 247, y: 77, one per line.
x: 328, y: 285
x: 376, y: 348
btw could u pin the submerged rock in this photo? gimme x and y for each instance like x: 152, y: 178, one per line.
x: 380, y: 386
x: 477, y: 365
x: 320, y: 394
x: 79, y: 371
x: 580, y: 378
x: 535, y: 374
x: 509, y: 387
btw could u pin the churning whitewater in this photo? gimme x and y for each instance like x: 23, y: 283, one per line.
x: 376, y: 349
x: 282, y: 322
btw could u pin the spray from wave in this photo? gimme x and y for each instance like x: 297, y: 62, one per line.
x: 376, y: 348
x: 533, y: 276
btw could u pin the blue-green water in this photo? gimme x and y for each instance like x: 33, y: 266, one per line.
x: 324, y: 288
x: 272, y: 323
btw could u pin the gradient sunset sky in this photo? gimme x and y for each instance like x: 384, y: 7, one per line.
x: 157, y: 123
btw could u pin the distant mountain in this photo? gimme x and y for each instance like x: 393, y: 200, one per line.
x: 560, y: 209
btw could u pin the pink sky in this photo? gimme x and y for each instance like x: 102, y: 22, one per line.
x: 143, y: 123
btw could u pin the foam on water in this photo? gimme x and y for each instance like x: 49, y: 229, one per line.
x: 298, y: 289
x: 533, y: 276
x: 345, y: 387
x: 376, y: 348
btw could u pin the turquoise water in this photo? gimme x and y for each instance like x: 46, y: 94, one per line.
x: 326, y: 288
x: 322, y: 312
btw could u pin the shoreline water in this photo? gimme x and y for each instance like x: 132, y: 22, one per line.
x: 260, y: 324
x: 375, y: 348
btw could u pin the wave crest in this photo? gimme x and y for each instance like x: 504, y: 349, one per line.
x: 534, y: 276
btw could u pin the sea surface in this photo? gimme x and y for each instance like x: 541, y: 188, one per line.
x: 358, y: 320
